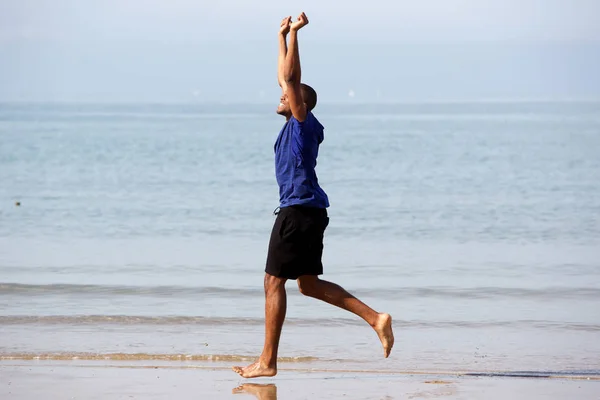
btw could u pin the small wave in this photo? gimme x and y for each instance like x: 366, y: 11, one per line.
x: 300, y: 322
x: 122, y: 290
x: 162, y: 320
x: 63, y: 356
x: 442, y: 292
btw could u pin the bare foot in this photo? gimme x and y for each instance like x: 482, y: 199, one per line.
x: 383, y: 327
x: 262, y: 392
x: 256, y: 370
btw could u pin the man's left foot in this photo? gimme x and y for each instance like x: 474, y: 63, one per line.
x: 383, y: 327
x: 256, y: 370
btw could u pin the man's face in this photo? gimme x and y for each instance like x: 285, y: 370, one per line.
x: 284, y: 106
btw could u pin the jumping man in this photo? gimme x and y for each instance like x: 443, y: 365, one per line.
x: 296, y: 242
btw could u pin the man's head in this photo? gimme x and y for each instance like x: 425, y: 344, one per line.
x: 309, y: 97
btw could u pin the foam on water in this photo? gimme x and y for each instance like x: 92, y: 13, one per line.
x: 66, y: 356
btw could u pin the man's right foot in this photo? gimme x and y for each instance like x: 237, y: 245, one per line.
x: 256, y: 370
x: 383, y: 327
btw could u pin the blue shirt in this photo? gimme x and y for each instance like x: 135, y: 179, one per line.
x: 296, y: 151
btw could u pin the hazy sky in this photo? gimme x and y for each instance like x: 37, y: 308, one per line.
x: 196, y: 50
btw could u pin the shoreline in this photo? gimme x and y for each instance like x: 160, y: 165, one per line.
x: 284, y: 367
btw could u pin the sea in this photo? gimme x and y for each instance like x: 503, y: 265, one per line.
x: 139, y: 232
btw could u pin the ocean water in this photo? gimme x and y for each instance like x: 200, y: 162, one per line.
x: 141, y: 234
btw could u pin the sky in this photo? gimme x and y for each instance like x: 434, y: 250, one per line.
x: 226, y: 50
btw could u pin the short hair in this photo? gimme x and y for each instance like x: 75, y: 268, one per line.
x: 309, y: 96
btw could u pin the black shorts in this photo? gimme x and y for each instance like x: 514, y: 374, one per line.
x: 296, y: 243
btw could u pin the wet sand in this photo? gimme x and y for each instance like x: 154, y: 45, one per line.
x: 98, y: 380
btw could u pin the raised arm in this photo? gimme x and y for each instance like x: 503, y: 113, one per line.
x: 284, y: 29
x: 292, y: 73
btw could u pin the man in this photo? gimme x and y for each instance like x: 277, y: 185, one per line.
x: 296, y: 243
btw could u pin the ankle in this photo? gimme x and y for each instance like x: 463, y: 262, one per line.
x: 267, y: 362
x: 374, y: 321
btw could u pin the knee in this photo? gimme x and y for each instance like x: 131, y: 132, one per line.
x: 273, y: 282
x: 307, y: 286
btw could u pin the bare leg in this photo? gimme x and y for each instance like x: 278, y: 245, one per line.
x: 336, y: 295
x: 275, y: 308
x: 261, y: 392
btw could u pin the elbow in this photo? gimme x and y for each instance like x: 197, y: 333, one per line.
x: 290, y: 79
x: 290, y: 76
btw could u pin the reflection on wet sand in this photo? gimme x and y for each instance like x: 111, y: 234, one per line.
x: 261, y: 391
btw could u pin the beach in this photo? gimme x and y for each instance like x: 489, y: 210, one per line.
x: 101, y: 380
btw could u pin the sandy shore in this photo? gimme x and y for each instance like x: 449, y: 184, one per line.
x: 97, y: 380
